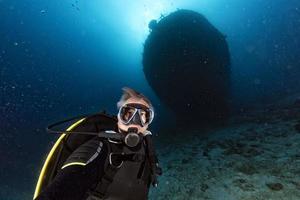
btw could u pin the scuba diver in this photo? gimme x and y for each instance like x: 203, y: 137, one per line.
x: 107, y: 167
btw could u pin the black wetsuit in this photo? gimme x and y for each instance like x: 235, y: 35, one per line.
x: 132, y: 180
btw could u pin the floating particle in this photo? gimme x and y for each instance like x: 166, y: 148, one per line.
x: 257, y: 81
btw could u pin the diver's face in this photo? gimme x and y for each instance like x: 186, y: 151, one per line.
x: 124, y: 127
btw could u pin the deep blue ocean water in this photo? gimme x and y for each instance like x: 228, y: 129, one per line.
x: 64, y: 58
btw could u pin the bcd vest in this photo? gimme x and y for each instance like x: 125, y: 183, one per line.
x: 127, y: 171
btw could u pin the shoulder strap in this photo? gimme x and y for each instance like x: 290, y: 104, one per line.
x: 110, y: 171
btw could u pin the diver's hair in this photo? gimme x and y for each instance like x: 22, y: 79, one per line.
x: 128, y: 93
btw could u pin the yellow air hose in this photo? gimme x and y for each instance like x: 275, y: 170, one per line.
x: 49, y: 157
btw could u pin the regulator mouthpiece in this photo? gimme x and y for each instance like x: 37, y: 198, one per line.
x: 132, y: 138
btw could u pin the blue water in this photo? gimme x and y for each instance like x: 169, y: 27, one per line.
x: 63, y: 58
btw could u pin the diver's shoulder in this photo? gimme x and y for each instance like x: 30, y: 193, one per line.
x: 147, y: 132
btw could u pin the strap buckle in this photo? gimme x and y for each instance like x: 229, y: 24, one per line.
x: 111, y: 162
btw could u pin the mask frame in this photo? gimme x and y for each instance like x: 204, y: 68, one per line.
x: 137, y: 110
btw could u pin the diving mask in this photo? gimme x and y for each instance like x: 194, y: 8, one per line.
x: 134, y: 113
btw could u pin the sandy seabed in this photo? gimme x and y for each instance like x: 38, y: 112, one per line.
x: 255, y: 157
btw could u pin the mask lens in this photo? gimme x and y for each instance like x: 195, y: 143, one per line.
x: 143, y: 116
x: 146, y: 116
x: 127, y: 113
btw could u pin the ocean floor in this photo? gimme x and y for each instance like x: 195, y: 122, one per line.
x: 256, y: 157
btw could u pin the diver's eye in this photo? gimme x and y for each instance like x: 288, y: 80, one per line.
x: 127, y: 113
x: 143, y: 113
